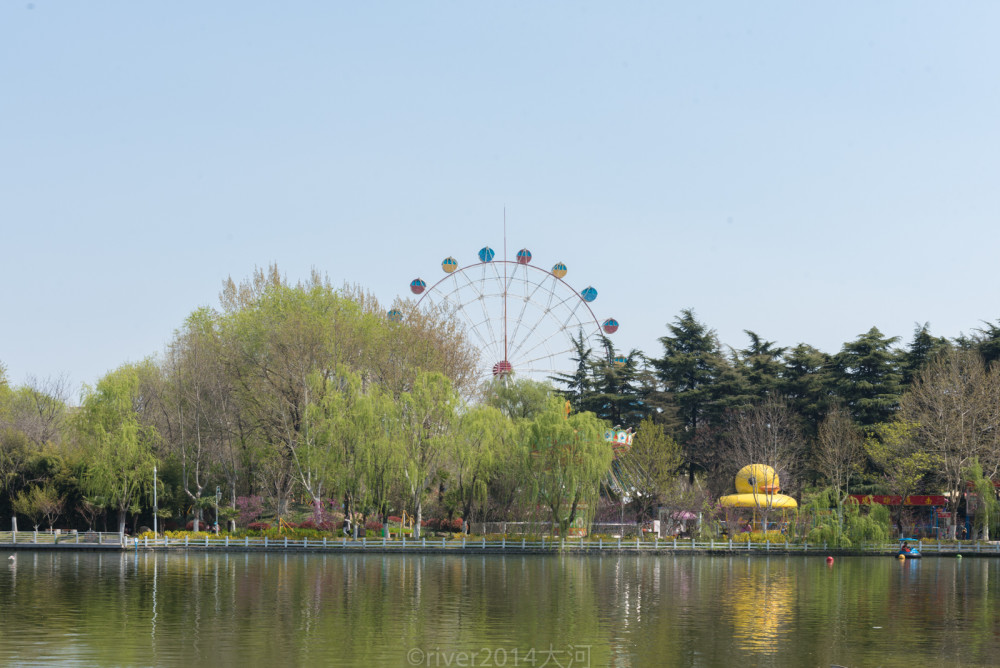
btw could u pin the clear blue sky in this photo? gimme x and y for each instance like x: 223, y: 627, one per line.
x: 804, y: 170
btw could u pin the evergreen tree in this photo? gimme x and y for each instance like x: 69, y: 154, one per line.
x: 691, y: 365
x: 618, y: 394
x: 922, y: 350
x: 804, y: 383
x: 987, y: 340
x: 761, y: 363
x: 866, y: 374
x: 578, y: 384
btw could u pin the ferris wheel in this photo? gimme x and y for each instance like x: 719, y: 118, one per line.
x: 524, y: 320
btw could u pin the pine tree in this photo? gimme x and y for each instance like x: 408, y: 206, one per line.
x: 866, y: 374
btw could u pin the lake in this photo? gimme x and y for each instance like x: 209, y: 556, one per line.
x: 534, y: 610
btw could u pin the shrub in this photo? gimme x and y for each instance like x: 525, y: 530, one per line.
x: 258, y: 526
x: 373, y: 525
x: 249, y: 509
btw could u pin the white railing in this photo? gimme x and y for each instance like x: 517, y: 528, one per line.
x: 58, y: 537
x: 472, y: 544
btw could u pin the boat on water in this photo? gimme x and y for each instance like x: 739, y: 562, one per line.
x: 909, y: 548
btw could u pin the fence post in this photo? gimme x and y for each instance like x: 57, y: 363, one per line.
x: 423, y: 541
x: 711, y: 543
x: 364, y: 542
x: 619, y: 543
x: 637, y: 545
x: 522, y: 543
x: 443, y: 546
x: 324, y: 541
x: 286, y: 542
x: 463, y: 541
x: 166, y: 540
x: 730, y: 544
x: 145, y: 541
x: 692, y: 544
x: 186, y: 541
x: 265, y: 542
x: 227, y: 541
x: 484, y: 542
x: 503, y: 543
x: 206, y: 541
x: 562, y: 544
x: 600, y: 543
x: 246, y: 541
x: 305, y: 542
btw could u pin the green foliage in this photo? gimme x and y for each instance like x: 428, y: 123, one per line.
x: 871, y: 527
x: 118, y: 442
x: 568, y: 458
x: 866, y: 374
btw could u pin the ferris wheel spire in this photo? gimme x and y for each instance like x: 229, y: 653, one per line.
x: 505, y: 358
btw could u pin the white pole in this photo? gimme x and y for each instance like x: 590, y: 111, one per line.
x: 155, y: 532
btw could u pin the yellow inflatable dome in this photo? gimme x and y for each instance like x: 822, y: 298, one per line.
x: 757, y: 486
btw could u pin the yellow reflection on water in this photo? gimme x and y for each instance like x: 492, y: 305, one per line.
x: 760, y: 605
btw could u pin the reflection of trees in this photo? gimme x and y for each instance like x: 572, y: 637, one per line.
x: 252, y: 609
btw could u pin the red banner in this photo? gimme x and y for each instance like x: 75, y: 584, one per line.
x: 890, y: 500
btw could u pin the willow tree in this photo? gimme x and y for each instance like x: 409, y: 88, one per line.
x: 346, y: 447
x: 568, y: 459
x: 482, y: 435
x: 427, y: 416
x: 117, y: 440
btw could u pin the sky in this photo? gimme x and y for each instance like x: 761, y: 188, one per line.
x: 803, y: 170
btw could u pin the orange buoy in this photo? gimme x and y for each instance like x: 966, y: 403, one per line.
x: 829, y: 560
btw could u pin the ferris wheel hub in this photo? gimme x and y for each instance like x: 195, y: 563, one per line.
x: 503, y: 368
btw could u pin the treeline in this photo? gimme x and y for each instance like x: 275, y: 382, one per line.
x: 299, y: 394
x: 874, y: 417
x: 309, y: 395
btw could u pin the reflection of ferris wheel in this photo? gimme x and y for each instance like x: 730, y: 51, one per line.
x: 523, y: 319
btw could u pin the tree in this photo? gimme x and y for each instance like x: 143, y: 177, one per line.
x: 922, y: 349
x: 517, y: 398
x: 866, y: 375
x: 578, y: 384
x: 118, y: 441
x: 569, y: 457
x: 40, y: 502
x: 618, y: 393
x: 761, y: 363
x: 690, y: 366
x: 839, y: 453
x: 428, y: 411
x: 764, y: 433
x: 984, y: 500
x: 805, y: 385
x: 482, y: 433
x: 652, y: 462
x: 954, y: 407
x: 903, y: 465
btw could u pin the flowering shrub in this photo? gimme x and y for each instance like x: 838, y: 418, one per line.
x: 442, y: 524
x: 250, y: 508
x: 258, y: 526
x: 759, y: 537
x: 373, y: 524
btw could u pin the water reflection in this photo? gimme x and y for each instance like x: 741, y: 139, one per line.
x: 240, y: 609
x: 759, y: 604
